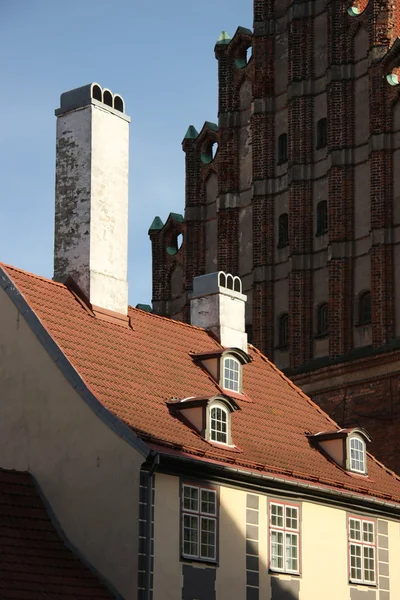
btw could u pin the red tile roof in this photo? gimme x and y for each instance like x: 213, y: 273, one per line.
x: 34, y: 562
x: 134, y: 372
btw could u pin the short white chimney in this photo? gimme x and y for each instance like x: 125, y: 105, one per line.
x: 217, y: 304
x: 91, y: 214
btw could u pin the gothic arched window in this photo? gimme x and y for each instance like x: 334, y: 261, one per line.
x: 284, y: 330
x: 322, y: 218
x: 364, y: 309
x: 283, y: 227
x: 323, y: 319
x: 282, y: 148
x: 322, y: 133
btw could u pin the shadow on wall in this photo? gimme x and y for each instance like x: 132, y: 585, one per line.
x: 243, y: 571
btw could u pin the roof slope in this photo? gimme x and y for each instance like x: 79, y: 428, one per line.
x: 34, y: 562
x: 134, y: 372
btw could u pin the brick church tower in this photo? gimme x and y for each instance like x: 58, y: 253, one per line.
x: 297, y: 191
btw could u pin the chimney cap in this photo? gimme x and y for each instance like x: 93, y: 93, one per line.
x: 215, y: 283
x: 92, y: 93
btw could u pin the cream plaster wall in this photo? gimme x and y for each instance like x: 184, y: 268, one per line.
x: 167, y: 582
x: 394, y: 554
x: 324, y: 553
x: 89, y: 475
x: 231, y: 575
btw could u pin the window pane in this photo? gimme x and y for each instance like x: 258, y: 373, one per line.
x: 208, y: 503
x: 190, y: 535
x: 219, y: 425
x: 276, y: 549
x: 291, y: 517
x: 231, y: 374
x: 368, y: 532
x: 292, y: 563
x: 355, y: 529
x: 190, y: 498
x: 357, y: 455
x: 207, y: 546
x: 355, y: 562
x: 369, y: 563
x: 277, y: 515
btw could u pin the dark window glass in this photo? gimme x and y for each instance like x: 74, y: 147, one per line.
x: 283, y: 234
x: 364, y: 309
x: 282, y: 148
x: 284, y: 330
x: 322, y: 133
x: 323, y: 319
x: 322, y: 218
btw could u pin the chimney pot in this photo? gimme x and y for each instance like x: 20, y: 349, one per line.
x: 218, y: 304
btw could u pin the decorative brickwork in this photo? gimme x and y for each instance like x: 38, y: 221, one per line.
x: 327, y: 60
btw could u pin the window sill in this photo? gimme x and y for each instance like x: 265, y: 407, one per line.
x: 363, y: 324
x: 282, y: 162
x: 282, y: 347
x: 321, y: 336
x: 363, y: 583
x: 283, y: 245
x: 201, y: 561
x: 279, y: 572
x: 321, y: 233
x: 321, y: 146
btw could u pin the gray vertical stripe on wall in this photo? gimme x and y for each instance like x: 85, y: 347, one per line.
x: 252, y: 547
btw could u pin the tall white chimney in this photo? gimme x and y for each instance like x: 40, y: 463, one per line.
x: 91, y: 214
x: 217, y: 304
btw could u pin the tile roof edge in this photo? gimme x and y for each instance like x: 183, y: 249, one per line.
x: 7, y: 267
x: 66, y: 541
x: 336, y: 488
x: 70, y: 373
x: 40, y: 277
x: 176, y: 322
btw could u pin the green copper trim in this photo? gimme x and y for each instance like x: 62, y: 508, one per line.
x: 244, y: 30
x: 224, y: 38
x: 156, y: 224
x: 145, y: 307
x: 176, y: 217
x: 191, y: 133
x: 212, y: 126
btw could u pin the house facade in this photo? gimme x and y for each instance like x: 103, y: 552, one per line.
x: 177, y: 459
x: 295, y: 190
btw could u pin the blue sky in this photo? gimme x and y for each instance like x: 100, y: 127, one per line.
x: 158, y: 55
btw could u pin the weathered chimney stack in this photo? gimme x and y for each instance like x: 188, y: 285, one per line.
x: 91, y: 214
x: 218, y: 304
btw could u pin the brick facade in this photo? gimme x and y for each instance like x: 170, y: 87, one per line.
x: 323, y: 59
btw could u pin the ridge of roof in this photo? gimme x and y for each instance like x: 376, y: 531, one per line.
x: 40, y: 277
x: 131, y: 308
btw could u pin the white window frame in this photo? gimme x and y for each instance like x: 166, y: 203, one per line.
x: 227, y: 383
x: 226, y: 412
x: 285, y: 531
x: 361, y: 451
x: 364, y: 546
x: 200, y: 516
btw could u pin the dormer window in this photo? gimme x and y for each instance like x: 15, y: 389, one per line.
x: 210, y: 417
x: 219, y: 424
x: 356, y: 454
x: 346, y: 447
x: 231, y: 380
x: 226, y: 367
